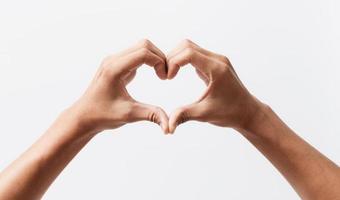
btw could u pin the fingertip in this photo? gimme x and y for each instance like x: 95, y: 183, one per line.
x: 172, y: 69
x: 163, y: 120
x: 161, y: 71
x: 172, y: 72
x: 172, y: 130
x: 165, y: 128
x: 169, y: 77
x: 172, y: 125
x: 162, y: 77
x: 179, y: 116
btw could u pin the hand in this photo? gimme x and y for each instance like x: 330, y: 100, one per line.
x: 106, y: 103
x: 226, y: 102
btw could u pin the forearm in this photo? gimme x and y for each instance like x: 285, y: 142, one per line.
x: 31, y: 174
x: 104, y: 105
x: 310, y: 173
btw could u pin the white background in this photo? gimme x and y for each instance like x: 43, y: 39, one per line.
x: 286, y: 52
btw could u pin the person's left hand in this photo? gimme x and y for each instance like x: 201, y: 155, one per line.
x: 226, y: 102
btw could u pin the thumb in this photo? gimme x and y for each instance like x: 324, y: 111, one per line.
x: 184, y: 114
x: 151, y: 113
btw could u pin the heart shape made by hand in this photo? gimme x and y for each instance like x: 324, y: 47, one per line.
x: 184, y: 89
x: 225, y: 102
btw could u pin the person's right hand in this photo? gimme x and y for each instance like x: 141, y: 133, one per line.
x: 106, y: 103
x: 226, y: 102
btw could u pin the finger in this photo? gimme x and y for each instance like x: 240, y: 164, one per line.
x: 221, y: 58
x: 128, y: 77
x: 186, y: 43
x: 207, y: 52
x: 177, y: 49
x: 190, y: 112
x: 203, y: 77
x: 147, y: 44
x: 135, y: 59
x: 144, y: 43
x: 150, y: 113
x: 161, y: 70
x: 200, y: 61
x: 190, y: 44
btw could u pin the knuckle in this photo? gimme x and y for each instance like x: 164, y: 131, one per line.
x: 183, y: 119
x: 226, y: 66
x: 103, y: 74
x: 224, y: 59
x: 145, y: 43
x: 107, y: 60
x: 182, y: 116
x: 154, y: 114
x: 158, y: 110
x: 187, y: 43
x: 220, y: 70
x: 222, y: 67
x: 106, y: 72
x: 144, y: 52
x: 170, y: 62
x: 189, y: 52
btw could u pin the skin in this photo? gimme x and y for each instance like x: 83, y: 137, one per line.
x: 226, y: 102
x: 106, y: 104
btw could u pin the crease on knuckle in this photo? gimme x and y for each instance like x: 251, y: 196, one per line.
x: 183, y: 117
x: 153, y: 115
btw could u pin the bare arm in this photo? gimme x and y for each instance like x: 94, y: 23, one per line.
x: 105, y: 105
x: 30, y: 175
x: 310, y: 173
x: 227, y: 103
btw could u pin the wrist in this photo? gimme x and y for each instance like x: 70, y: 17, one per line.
x: 65, y: 134
x: 76, y: 122
x: 258, y: 119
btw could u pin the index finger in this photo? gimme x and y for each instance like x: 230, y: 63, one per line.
x: 135, y: 59
x: 201, y: 62
x: 144, y: 43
